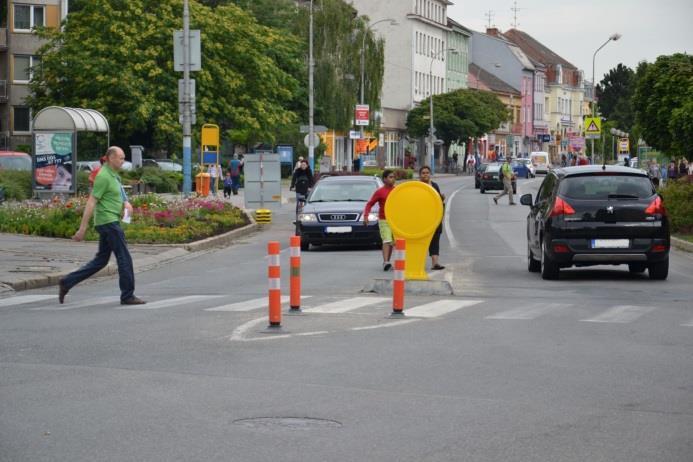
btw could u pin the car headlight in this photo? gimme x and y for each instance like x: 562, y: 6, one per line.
x: 372, y: 217
x: 307, y: 217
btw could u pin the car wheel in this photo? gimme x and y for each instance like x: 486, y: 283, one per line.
x: 659, y: 271
x: 533, y: 266
x: 637, y: 268
x: 305, y: 245
x: 549, y: 269
x: 527, y: 176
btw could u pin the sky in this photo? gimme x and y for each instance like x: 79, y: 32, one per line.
x: 575, y: 29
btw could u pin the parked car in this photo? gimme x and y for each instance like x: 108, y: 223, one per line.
x: 524, y: 168
x: 540, y: 160
x: 597, y: 215
x: 164, y: 164
x: 477, y: 175
x: 333, y: 212
x: 491, y: 179
x: 11, y: 160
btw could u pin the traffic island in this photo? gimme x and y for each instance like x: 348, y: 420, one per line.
x: 430, y: 287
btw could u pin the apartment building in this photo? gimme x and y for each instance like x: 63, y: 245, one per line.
x: 19, y: 60
x: 458, y: 55
x: 415, y: 62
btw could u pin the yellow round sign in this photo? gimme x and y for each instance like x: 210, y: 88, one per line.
x: 414, y: 210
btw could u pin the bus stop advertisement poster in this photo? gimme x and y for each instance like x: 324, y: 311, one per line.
x: 53, y: 162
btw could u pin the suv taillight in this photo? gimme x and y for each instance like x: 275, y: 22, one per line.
x: 656, y: 207
x: 561, y: 207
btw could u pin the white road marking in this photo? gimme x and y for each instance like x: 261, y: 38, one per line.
x: 386, y: 324
x: 238, y: 334
x: 79, y: 304
x: 621, y: 314
x: 308, y: 334
x: 688, y: 324
x: 529, y: 312
x: 448, y: 230
x: 24, y: 299
x: 250, y: 305
x: 439, y: 308
x: 342, y: 306
x: 170, y: 302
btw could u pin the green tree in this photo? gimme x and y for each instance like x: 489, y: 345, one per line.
x: 615, y: 93
x: 458, y: 115
x: 663, y: 103
x: 116, y: 56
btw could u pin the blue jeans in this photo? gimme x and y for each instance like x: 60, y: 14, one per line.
x: 235, y: 183
x: 111, y: 239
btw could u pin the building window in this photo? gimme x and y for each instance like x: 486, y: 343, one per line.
x: 26, y: 17
x: 22, y: 119
x: 24, y: 66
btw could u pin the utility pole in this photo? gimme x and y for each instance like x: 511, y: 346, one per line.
x: 489, y: 15
x: 187, y: 122
x: 311, y: 102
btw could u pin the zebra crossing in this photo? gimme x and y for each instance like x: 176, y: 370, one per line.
x: 363, y: 304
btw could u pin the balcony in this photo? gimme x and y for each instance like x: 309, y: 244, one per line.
x: 3, y: 91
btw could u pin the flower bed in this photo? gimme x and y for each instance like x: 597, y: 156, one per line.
x: 154, y: 221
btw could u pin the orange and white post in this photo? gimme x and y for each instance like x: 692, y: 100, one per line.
x: 295, y: 279
x: 398, y: 279
x: 275, y: 284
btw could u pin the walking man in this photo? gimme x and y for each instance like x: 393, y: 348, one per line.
x: 106, y: 204
x: 235, y: 171
x: 506, y: 171
x: 380, y: 197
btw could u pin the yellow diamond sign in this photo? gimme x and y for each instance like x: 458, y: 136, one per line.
x: 593, y: 126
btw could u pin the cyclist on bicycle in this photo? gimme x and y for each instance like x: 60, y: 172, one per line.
x: 301, y: 181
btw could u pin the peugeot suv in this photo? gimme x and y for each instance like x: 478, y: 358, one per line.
x: 597, y: 215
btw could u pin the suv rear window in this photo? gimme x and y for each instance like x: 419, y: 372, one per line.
x: 600, y: 187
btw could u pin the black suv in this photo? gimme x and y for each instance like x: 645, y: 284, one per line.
x: 597, y: 215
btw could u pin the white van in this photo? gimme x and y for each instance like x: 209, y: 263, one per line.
x: 540, y: 160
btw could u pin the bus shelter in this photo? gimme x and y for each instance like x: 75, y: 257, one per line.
x: 54, y: 133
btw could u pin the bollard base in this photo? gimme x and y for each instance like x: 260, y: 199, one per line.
x: 273, y: 329
x: 430, y: 287
x: 295, y: 311
x: 397, y: 315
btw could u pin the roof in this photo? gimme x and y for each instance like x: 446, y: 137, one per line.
x: 453, y: 23
x: 582, y: 169
x: 70, y: 119
x: 535, y: 49
x: 491, y: 81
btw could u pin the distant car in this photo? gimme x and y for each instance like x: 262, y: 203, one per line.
x: 477, y: 175
x: 540, y: 160
x: 523, y: 168
x: 597, y: 215
x: 12, y: 160
x: 333, y: 212
x: 491, y: 179
x: 169, y: 165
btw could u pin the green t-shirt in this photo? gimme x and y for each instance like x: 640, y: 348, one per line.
x: 507, y: 171
x: 106, y: 190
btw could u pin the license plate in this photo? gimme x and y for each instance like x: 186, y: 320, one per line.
x: 610, y: 243
x: 338, y: 229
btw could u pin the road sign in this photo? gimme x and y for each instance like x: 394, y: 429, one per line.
x: 195, y: 53
x: 623, y: 145
x: 362, y: 114
x: 354, y: 135
x: 593, y: 126
x: 316, y: 140
x: 316, y: 129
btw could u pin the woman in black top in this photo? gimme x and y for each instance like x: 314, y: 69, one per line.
x: 434, y: 247
x: 302, y: 181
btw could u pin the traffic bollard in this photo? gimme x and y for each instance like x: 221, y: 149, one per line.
x: 295, y: 279
x: 398, y: 279
x: 275, y: 285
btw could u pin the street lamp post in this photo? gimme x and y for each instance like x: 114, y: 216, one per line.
x: 613, y: 37
x: 311, y: 97
x: 430, y: 157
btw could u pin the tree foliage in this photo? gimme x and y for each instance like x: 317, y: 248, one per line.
x: 458, y: 115
x: 615, y: 93
x: 663, y: 103
x: 116, y: 56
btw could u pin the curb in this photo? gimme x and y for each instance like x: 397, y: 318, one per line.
x: 430, y: 287
x: 682, y: 244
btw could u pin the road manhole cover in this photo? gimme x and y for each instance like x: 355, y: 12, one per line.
x: 33, y: 269
x: 292, y: 423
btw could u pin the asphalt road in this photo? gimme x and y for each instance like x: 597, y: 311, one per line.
x: 594, y: 367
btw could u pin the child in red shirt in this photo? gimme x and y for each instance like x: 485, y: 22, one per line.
x: 380, y: 197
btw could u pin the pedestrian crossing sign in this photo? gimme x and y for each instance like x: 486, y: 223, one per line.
x: 593, y: 126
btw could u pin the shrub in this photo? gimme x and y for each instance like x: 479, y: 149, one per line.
x: 400, y: 173
x: 161, y: 181
x: 678, y: 200
x: 17, y: 184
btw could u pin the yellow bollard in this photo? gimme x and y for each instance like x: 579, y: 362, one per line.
x: 263, y: 216
x: 414, y: 211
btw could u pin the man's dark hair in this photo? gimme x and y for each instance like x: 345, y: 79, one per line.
x: 424, y: 167
x: 387, y: 172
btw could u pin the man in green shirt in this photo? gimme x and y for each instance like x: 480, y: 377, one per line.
x: 106, y: 204
x: 506, y: 172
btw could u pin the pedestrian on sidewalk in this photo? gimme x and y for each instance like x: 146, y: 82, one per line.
x: 380, y: 197
x: 434, y: 246
x: 214, y: 173
x: 106, y: 204
x: 506, y: 172
x: 235, y: 172
x: 228, y: 185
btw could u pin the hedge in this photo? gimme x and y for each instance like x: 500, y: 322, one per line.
x: 678, y: 200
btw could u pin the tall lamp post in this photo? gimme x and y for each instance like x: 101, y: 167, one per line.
x: 613, y: 37
x: 370, y: 27
x: 311, y: 100
x: 430, y: 157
